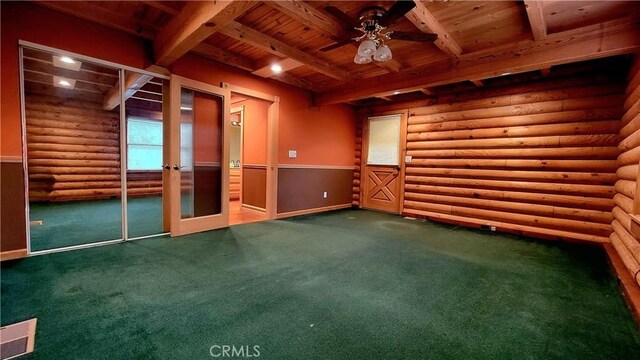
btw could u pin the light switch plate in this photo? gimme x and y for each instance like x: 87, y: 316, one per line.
x: 408, y: 159
x: 293, y: 154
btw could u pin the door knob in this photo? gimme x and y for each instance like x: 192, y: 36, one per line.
x: 177, y: 167
x: 167, y: 166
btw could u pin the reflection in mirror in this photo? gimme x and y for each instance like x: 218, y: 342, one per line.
x: 201, y: 131
x: 72, y: 115
x: 143, y: 114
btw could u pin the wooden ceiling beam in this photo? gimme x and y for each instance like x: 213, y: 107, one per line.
x: 536, y: 19
x: 276, y: 47
x: 424, y: 20
x: 546, y: 72
x: 517, y: 58
x: 132, y: 82
x: 323, y: 22
x: 197, y: 21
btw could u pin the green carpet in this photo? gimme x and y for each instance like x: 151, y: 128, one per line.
x: 84, y: 222
x: 349, y: 284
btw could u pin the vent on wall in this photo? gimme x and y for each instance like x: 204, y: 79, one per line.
x: 17, y: 339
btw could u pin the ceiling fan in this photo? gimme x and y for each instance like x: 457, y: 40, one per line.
x: 370, y: 28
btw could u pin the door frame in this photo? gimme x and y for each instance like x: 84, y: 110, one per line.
x: 273, y: 119
x: 172, y: 183
x: 402, y: 153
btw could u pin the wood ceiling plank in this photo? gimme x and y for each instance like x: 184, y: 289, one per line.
x: 422, y: 18
x: 263, y: 68
x: 319, y: 20
x: 247, y: 64
x: 196, y: 22
x: 536, y: 19
x: 246, y: 34
x: 520, y: 57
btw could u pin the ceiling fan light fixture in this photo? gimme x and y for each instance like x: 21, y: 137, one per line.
x: 383, y: 53
x: 358, y: 59
x: 367, y: 48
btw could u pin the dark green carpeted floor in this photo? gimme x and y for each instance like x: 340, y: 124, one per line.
x: 84, y: 222
x: 344, y: 285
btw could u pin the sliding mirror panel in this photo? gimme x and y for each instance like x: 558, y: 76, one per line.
x: 144, y: 166
x: 73, y: 158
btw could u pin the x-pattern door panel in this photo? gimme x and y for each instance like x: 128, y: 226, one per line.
x: 382, y: 188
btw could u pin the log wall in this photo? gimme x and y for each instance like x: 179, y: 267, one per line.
x: 537, y: 159
x: 73, y: 152
x: 626, y: 244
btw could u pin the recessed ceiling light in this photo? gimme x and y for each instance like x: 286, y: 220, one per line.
x: 276, y: 68
x: 65, y: 62
x: 68, y: 60
x: 66, y: 83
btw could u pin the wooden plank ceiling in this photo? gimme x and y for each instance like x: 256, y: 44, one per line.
x: 477, y: 40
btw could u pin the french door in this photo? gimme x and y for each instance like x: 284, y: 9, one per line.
x: 383, y: 163
x: 198, y: 154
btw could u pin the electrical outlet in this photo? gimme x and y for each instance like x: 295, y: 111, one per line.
x: 493, y: 228
x: 324, y: 194
x: 408, y: 159
x: 293, y: 154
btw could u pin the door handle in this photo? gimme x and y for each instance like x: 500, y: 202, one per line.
x: 167, y: 166
x: 177, y: 167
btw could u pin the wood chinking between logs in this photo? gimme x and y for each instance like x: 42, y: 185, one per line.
x: 538, y: 159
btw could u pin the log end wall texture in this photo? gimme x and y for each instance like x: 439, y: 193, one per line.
x: 622, y: 239
x: 537, y: 159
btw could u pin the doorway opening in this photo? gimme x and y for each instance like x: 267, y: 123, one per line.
x: 248, y: 168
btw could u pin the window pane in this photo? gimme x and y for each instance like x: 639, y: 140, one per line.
x: 144, y: 144
x: 384, y: 140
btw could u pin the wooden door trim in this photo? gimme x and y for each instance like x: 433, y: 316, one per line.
x: 404, y: 115
x: 273, y: 118
x: 181, y: 226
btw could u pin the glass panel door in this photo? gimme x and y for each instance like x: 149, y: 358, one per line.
x: 199, y: 152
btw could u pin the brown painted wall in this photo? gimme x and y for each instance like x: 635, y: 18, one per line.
x: 254, y: 186
x: 12, y: 228
x: 300, y: 189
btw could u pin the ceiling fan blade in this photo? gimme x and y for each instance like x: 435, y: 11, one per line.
x: 396, y: 12
x: 336, y: 45
x: 349, y: 23
x: 413, y: 36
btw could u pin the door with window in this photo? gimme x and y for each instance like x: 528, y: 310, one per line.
x: 383, y: 163
x: 198, y: 165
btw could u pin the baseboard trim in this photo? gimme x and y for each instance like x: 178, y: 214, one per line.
x: 13, y: 254
x: 311, y: 211
x: 254, y: 208
x: 629, y: 287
